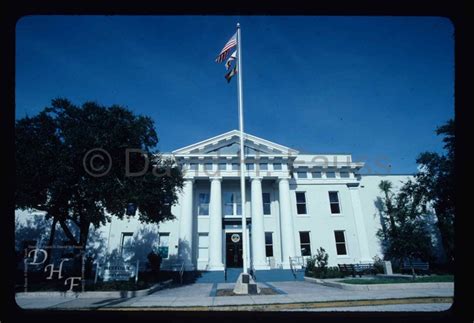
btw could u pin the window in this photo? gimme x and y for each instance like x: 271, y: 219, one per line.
x: 235, y: 166
x: 340, y: 242
x: 250, y: 166
x: 331, y: 175
x: 203, y: 245
x: 266, y: 204
x: 193, y: 166
x: 263, y: 166
x: 163, y: 246
x: 269, y: 244
x: 344, y: 174
x: 300, y: 203
x: 203, y: 206
x: 222, y: 166
x: 305, y: 244
x: 126, y: 245
x: 208, y: 166
x: 232, y: 204
x: 316, y: 174
x: 276, y: 166
x: 302, y: 174
x: 334, y: 202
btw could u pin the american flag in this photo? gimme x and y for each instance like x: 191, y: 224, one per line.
x: 225, y: 51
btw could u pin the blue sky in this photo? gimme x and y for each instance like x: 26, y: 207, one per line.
x: 375, y: 87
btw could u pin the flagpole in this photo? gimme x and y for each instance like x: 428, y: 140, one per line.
x: 242, y: 152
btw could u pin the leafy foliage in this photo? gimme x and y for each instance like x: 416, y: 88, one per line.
x: 51, y: 169
x: 404, y: 234
x: 378, y: 265
x: 436, y: 182
x: 317, y: 266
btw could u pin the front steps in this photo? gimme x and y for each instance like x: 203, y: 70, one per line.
x: 271, y: 275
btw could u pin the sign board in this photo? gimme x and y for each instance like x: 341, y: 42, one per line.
x: 117, y: 271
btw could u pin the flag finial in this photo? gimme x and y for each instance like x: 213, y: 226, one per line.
x: 238, y: 25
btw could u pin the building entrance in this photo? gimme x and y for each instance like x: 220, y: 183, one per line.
x: 233, y: 243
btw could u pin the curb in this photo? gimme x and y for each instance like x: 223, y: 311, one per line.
x: 378, y: 286
x: 98, y: 294
x: 288, y: 306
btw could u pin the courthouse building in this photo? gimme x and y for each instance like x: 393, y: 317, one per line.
x: 295, y: 203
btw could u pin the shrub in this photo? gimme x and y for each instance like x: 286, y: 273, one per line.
x: 378, y: 265
x: 332, y: 272
x: 317, y: 266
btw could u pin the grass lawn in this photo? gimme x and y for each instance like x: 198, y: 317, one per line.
x: 424, y: 279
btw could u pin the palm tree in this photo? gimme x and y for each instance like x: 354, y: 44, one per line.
x: 386, y: 188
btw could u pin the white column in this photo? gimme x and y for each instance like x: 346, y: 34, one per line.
x: 287, y: 233
x: 359, y: 222
x: 215, y: 225
x: 258, y: 231
x: 186, y: 225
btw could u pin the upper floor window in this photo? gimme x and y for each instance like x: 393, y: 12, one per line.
x: 232, y: 204
x: 126, y: 246
x: 276, y: 166
x: 250, y: 166
x: 193, y: 166
x: 302, y: 174
x: 334, y: 202
x: 266, y: 204
x: 203, y: 206
x: 316, y: 174
x: 263, y: 166
x: 208, y: 166
x: 163, y: 246
x: 344, y: 174
x: 301, y: 202
x: 222, y: 166
x: 330, y: 174
x: 235, y: 166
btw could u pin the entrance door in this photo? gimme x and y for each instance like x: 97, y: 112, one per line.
x: 233, y: 243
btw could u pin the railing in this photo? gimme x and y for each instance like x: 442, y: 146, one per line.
x: 291, y: 267
x: 181, y: 273
x: 252, y: 273
x: 297, y: 260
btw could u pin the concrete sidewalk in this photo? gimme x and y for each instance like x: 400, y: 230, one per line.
x: 204, y: 295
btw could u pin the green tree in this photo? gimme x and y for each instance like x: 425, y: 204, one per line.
x: 59, y: 169
x: 404, y: 233
x: 436, y: 180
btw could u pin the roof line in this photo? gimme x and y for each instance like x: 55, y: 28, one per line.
x: 393, y: 174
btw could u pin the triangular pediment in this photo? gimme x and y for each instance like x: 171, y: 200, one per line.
x: 229, y: 144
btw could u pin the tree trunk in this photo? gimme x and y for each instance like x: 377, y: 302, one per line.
x: 443, y: 228
x: 68, y: 233
x: 50, y: 241
x: 388, y: 204
x: 413, y: 274
x: 84, y: 234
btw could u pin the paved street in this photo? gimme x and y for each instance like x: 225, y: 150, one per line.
x: 286, y: 293
x: 429, y: 307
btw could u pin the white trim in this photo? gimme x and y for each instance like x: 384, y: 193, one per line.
x: 234, y: 133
